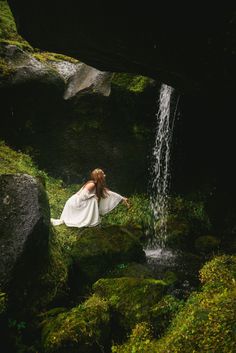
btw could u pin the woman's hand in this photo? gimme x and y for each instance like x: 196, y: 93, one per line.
x: 126, y: 202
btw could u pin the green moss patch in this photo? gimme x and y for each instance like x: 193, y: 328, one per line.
x: 140, y: 340
x: 17, y: 162
x: 99, y: 249
x: 48, y: 56
x: 132, y: 299
x: 84, y: 328
x: 205, y: 324
x: 131, y: 82
x: 8, y: 30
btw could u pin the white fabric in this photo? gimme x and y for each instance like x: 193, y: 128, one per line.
x: 111, y: 201
x: 82, y: 209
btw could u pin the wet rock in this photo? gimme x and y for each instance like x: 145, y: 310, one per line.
x: 88, y: 80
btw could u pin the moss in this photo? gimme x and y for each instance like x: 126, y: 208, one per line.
x: 138, y: 215
x: 16, y: 162
x: 219, y: 272
x: 84, y: 328
x: 177, y: 231
x: 131, y: 299
x: 47, y: 56
x: 38, y: 281
x: 5, y: 69
x: 49, y: 279
x: 99, y: 249
x: 186, y: 221
x: 23, y: 45
x: 131, y: 82
x: 8, y: 31
x: 206, y: 323
x: 139, y: 340
x: 131, y: 270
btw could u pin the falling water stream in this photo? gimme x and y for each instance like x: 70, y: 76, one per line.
x: 160, y: 177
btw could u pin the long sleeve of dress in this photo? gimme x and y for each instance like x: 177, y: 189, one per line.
x: 111, y: 201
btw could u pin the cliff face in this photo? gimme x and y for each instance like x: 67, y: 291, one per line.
x: 189, y: 47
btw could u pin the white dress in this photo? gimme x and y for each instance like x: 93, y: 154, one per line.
x: 83, y: 210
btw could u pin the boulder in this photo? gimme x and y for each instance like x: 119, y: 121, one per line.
x: 92, y: 253
x: 88, y: 80
x: 85, y: 329
x: 132, y: 300
x: 24, y: 224
x: 24, y: 69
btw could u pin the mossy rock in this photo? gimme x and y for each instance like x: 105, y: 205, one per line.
x: 185, y: 222
x: 219, y: 272
x: 131, y: 300
x: 33, y: 272
x: 98, y: 250
x: 84, y: 329
x: 206, y: 244
x: 131, y: 270
x: 140, y: 340
x: 206, y: 322
x: 131, y: 82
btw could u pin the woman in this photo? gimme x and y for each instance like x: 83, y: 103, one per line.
x: 84, y: 208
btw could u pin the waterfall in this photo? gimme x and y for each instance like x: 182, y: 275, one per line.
x: 160, y: 169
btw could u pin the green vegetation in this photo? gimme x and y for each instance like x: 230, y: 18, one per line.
x: 131, y: 82
x: 49, y: 278
x: 140, y: 340
x: 47, y: 56
x: 158, y: 322
x: 84, y: 328
x: 186, y: 221
x: 138, y: 215
x: 5, y: 70
x: 207, y: 321
x: 17, y: 162
x: 8, y: 31
x: 132, y: 299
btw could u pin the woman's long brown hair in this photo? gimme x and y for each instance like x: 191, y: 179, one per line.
x: 97, y: 175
